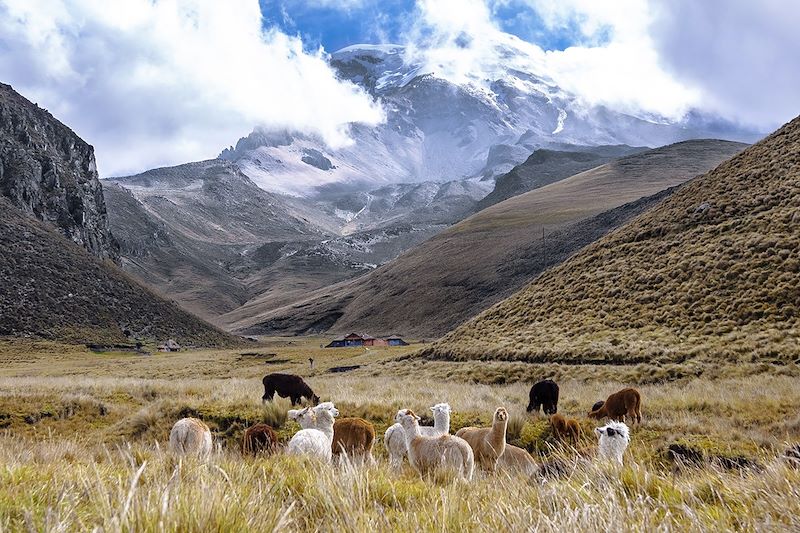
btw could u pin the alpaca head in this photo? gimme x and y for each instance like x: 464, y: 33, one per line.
x: 314, y: 398
x: 501, y: 415
x: 327, y: 406
x: 597, y: 405
x: 406, y: 418
x: 441, y: 408
x: 613, y: 440
x: 305, y: 417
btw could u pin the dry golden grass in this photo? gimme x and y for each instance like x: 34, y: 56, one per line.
x: 85, y: 449
x: 710, y: 275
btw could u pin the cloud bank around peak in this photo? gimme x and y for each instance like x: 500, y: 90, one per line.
x: 614, y: 62
x: 153, y: 83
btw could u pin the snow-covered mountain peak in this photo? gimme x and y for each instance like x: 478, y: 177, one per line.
x: 450, y: 115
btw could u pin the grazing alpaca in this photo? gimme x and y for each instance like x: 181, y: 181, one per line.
x: 516, y: 460
x: 565, y: 428
x: 613, y: 440
x: 395, y: 437
x: 488, y: 444
x: 427, y: 454
x: 287, y: 385
x: 543, y: 394
x: 315, y: 441
x: 190, y: 436
x: 353, y: 437
x: 259, y: 438
x: 627, y: 402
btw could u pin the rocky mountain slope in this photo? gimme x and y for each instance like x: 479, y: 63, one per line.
x: 59, y: 280
x: 207, y: 236
x: 482, y: 259
x: 711, y: 274
x: 55, y: 289
x: 49, y: 173
x: 440, y: 130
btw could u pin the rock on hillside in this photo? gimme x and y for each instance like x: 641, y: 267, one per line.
x: 53, y: 288
x: 49, y: 173
x: 479, y: 261
x: 712, y: 274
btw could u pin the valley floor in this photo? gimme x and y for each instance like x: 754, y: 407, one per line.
x: 83, y: 435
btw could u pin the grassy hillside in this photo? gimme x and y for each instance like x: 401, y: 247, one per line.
x: 53, y: 288
x: 710, y: 274
x: 485, y: 258
x: 544, y: 167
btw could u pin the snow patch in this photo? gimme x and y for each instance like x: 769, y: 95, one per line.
x: 562, y: 116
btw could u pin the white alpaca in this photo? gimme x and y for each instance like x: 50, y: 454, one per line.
x: 427, y: 454
x: 190, y: 436
x: 613, y: 441
x: 395, y: 437
x: 315, y: 440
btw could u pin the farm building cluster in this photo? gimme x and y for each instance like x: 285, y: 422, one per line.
x: 355, y: 339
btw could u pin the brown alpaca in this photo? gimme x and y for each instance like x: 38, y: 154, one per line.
x: 516, y: 460
x: 627, y: 402
x: 565, y: 428
x: 259, y: 438
x: 488, y: 444
x: 354, y: 437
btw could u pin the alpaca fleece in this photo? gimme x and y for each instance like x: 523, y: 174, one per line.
x: 353, y: 437
x: 487, y: 444
x: 516, y: 460
x: 565, y: 428
x: 259, y: 438
x: 190, y: 436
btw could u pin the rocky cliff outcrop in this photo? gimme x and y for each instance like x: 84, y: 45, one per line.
x: 49, y: 173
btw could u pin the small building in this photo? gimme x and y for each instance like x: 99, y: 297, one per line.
x: 394, y: 340
x: 353, y: 339
x: 356, y: 339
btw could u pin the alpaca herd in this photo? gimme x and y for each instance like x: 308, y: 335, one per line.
x: 428, y: 448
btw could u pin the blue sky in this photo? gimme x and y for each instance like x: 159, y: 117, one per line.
x: 335, y: 25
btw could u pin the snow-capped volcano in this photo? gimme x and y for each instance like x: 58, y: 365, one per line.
x: 438, y: 129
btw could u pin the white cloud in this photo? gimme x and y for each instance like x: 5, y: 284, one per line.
x: 744, y: 56
x: 735, y: 58
x: 460, y: 39
x: 164, y: 82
